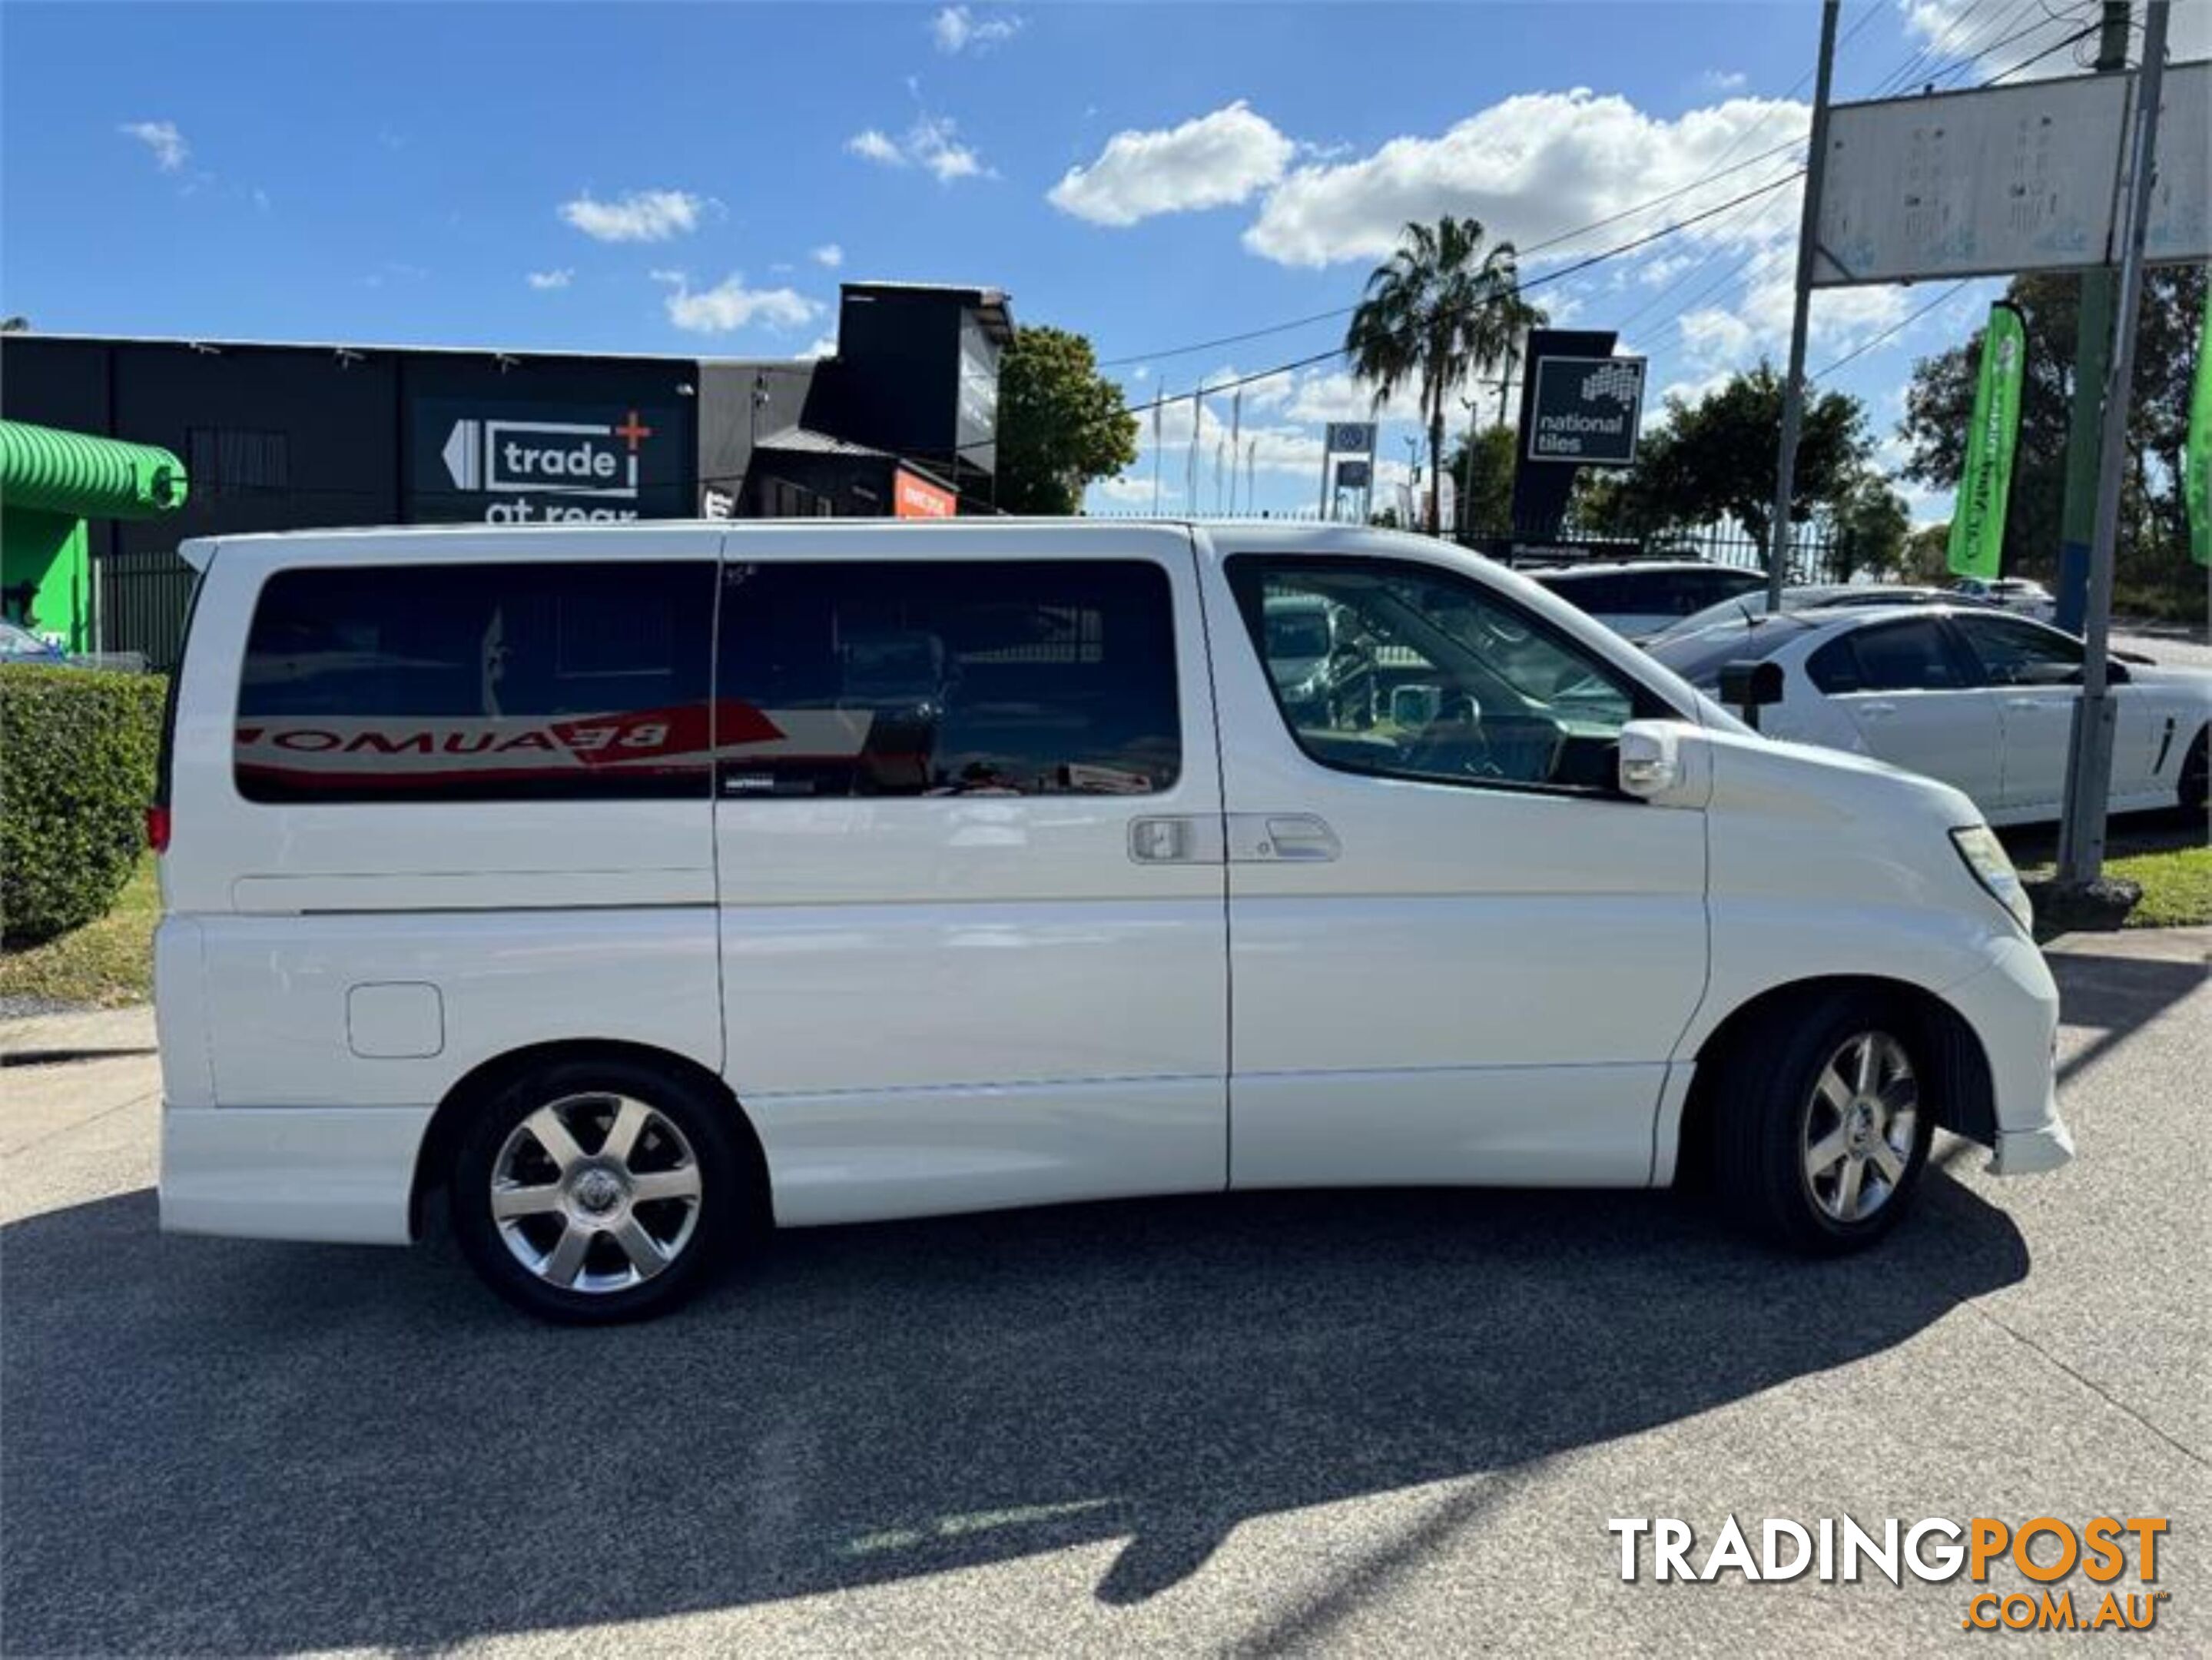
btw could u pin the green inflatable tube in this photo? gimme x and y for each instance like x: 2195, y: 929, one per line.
x: 71, y: 472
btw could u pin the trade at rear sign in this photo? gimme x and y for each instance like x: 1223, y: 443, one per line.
x: 1586, y: 409
x: 547, y: 463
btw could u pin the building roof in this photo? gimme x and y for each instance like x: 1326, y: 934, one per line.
x: 211, y: 342
x: 992, y: 306
x: 805, y: 441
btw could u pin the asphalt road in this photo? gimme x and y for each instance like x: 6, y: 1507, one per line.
x: 1370, y: 1423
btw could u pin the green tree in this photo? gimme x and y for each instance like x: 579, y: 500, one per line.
x: 1442, y: 308
x: 1714, y: 459
x: 1928, y: 555
x: 1873, y: 527
x: 1939, y: 406
x: 1485, y: 494
x: 1061, y: 425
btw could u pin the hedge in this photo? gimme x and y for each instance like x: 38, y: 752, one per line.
x: 77, y: 755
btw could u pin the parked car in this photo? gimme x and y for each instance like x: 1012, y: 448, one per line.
x: 1639, y: 597
x: 20, y: 645
x: 1806, y: 597
x: 1324, y: 675
x: 560, y: 871
x: 2013, y: 593
x: 1979, y: 699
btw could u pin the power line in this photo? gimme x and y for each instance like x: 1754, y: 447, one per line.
x: 2082, y: 33
x: 1534, y: 247
x: 1897, y: 327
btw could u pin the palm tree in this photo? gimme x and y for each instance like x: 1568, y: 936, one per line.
x: 1439, y: 309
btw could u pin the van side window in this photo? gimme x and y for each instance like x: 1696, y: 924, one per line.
x: 947, y: 678
x: 477, y: 683
x: 1430, y: 676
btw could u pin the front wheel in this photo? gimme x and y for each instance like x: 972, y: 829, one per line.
x: 593, y: 1191
x: 1821, y: 1133
x: 2197, y: 776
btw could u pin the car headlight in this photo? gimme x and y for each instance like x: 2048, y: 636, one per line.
x: 1986, y: 856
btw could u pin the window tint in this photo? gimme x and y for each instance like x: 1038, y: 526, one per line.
x: 1910, y: 656
x: 1434, y: 678
x: 999, y: 678
x: 1698, y: 658
x: 477, y: 683
x: 1835, y: 667
x: 2020, y: 654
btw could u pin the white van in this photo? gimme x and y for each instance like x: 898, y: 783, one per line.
x: 639, y: 885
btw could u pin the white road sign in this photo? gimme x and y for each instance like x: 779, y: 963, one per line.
x: 2007, y: 178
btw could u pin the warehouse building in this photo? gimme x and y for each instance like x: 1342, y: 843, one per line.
x: 901, y: 420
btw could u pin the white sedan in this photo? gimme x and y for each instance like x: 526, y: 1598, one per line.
x: 1977, y: 698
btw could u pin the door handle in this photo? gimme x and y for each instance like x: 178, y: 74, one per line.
x: 1281, y: 838
x: 2033, y: 703
x: 1877, y: 709
x: 1191, y: 839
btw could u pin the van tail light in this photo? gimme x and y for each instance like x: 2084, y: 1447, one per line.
x: 157, y: 829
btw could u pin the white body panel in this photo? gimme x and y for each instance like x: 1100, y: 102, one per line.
x: 996, y: 976
x: 929, y: 1004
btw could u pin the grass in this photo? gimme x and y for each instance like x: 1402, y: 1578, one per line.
x: 104, y: 965
x: 2164, y: 851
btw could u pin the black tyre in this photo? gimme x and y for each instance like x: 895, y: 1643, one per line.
x: 592, y: 1191
x: 2195, y: 789
x: 1820, y: 1131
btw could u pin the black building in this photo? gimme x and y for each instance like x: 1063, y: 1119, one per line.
x: 900, y: 421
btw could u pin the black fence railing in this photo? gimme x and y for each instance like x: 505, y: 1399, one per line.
x: 143, y: 599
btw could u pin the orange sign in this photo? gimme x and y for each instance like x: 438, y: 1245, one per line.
x: 913, y: 497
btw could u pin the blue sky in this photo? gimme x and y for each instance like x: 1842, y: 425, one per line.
x: 697, y: 177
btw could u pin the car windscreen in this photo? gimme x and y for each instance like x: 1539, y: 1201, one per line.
x: 1698, y: 658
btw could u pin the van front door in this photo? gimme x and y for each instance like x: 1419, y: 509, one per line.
x: 968, y: 832
x: 1458, y: 953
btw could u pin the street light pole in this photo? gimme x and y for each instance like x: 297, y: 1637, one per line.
x: 1793, y: 388
x: 2089, y: 755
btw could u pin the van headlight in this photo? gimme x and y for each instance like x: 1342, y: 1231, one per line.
x: 1986, y: 856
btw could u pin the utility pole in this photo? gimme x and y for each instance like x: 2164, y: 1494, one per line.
x: 2089, y: 755
x: 2093, y: 345
x: 1793, y: 388
x: 1197, y: 421
x: 1467, y: 473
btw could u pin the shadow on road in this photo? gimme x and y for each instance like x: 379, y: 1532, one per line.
x: 220, y: 1445
x: 2115, y: 997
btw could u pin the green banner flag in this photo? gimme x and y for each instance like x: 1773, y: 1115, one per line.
x: 1978, y: 522
x: 2196, y: 454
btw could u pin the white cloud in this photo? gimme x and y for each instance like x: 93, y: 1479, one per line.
x: 1723, y: 80
x: 1956, y: 32
x: 169, y: 149
x: 829, y: 256
x: 647, y: 216
x: 872, y: 145
x: 549, y: 279
x: 1209, y: 161
x: 823, y: 345
x: 731, y: 305
x: 1132, y: 491
x: 955, y: 29
x: 1532, y: 167
x: 929, y: 144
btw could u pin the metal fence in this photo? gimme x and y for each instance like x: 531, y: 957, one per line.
x: 143, y: 599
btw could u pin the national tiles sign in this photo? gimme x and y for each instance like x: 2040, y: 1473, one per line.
x: 1585, y: 411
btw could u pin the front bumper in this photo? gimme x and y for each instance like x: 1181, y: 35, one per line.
x: 2013, y: 1008
x: 340, y: 1175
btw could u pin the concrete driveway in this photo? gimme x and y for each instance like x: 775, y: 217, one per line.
x: 1356, y: 1422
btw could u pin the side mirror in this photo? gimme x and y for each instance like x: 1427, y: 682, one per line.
x: 1651, y: 759
x: 1750, y: 685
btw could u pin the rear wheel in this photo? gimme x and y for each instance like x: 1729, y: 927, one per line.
x: 1820, y: 1132
x: 591, y: 1191
x: 2194, y: 787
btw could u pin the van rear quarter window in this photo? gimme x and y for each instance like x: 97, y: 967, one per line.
x: 478, y: 683
x: 947, y: 678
